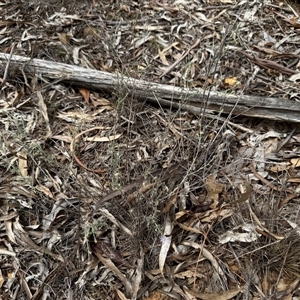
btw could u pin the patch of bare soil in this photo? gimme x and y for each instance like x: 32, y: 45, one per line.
x: 103, y: 196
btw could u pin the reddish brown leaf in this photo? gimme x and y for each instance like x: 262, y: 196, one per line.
x: 85, y: 94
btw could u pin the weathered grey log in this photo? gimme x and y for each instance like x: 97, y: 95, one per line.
x: 193, y: 100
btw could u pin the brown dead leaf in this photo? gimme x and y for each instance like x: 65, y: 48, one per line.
x: 91, y: 31
x: 245, y: 195
x: 163, y: 58
x: 294, y: 179
x: 280, y: 167
x: 64, y: 38
x: 213, y: 188
x: 85, y: 94
x: 100, y: 101
x: 295, y: 162
x: 45, y: 190
x: 295, y: 22
x: 227, y: 295
x: 121, y: 295
x: 156, y: 295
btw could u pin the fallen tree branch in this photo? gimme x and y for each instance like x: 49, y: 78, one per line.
x: 194, y: 100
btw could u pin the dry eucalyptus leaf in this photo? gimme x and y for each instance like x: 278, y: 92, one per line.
x: 165, y: 244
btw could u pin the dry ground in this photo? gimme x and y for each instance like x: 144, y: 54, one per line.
x: 106, y: 197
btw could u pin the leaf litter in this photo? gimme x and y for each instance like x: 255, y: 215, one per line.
x: 185, y: 207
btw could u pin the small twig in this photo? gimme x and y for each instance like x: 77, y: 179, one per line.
x: 180, y: 59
